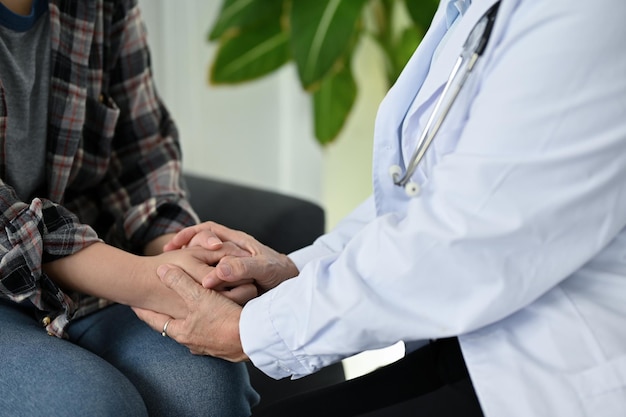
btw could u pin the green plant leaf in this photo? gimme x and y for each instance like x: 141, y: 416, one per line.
x: 422, y: 11
x: 332, y: 103
x: 258, y: 36
x: 251, y: 54
x: 321, y: 31
x: 243, y: 13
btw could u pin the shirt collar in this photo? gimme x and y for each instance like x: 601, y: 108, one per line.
x: 454, y: 9
x: 20, y: 23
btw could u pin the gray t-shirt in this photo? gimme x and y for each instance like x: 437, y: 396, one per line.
x: 25, y: 76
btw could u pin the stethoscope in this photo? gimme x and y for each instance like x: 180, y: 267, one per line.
x: 472, y: 50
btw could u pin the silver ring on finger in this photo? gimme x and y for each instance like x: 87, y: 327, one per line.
x: 164, y: 332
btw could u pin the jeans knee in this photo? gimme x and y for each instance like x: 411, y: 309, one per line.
x: 88, y: 393
x: 104, y: 397
x: 192, y: 385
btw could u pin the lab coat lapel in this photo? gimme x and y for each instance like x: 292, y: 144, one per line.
x: 442, y: 65
x: 393, y: 107
x: 392, y: 110
x: 423, y: 77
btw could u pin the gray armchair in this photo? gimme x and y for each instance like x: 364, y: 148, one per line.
x: 282, y: 222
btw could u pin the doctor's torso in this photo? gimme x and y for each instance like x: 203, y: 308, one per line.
x: 572, y: 336
x: 516, y: 241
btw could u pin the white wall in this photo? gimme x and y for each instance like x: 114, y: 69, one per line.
x: 256, y: 133
x: 260, y: 133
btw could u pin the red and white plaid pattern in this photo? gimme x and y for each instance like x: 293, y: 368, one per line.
x: 113, y: 157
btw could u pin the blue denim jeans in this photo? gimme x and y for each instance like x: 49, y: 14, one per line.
x: 113, y: 365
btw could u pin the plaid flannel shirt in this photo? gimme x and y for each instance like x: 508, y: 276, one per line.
x: 112, y: 161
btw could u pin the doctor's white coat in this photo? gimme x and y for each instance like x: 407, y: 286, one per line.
x: 517, y: 241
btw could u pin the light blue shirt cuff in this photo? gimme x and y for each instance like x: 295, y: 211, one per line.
x: 262, y: 343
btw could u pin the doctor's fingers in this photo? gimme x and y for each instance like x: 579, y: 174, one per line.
x: 212, y: 257
x: 166, y: 325
x: 182, y: 283
x: 199, y: 262
x: 267, y: 270
x: 241, y: 294
x: 211, y: 326
x: 194, y: 235
x: 239, y: 238
x: 155, y: 320
x: 217, y: 284
x: 198, y: 298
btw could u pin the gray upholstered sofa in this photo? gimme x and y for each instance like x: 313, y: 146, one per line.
x: 282, y: 222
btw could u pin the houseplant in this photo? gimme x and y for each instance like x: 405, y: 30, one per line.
x: 256, y: 37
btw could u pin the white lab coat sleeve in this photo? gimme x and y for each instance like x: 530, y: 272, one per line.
x: 533, y: 189
x: 335, y: 240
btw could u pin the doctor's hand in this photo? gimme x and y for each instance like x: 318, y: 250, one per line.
x: 211, y: 326
x: 199, y: 263
x: 267, y: 267
x: 198, y: 235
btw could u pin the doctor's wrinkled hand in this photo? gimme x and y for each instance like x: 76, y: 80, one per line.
x: 211, y: 326
x: 194, y: 236
x: 264, y: 265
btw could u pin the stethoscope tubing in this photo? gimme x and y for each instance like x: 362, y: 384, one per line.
x: 431, y: 129
x: 451, y: 91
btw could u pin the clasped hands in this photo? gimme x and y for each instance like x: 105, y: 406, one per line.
x: 214, y: 301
